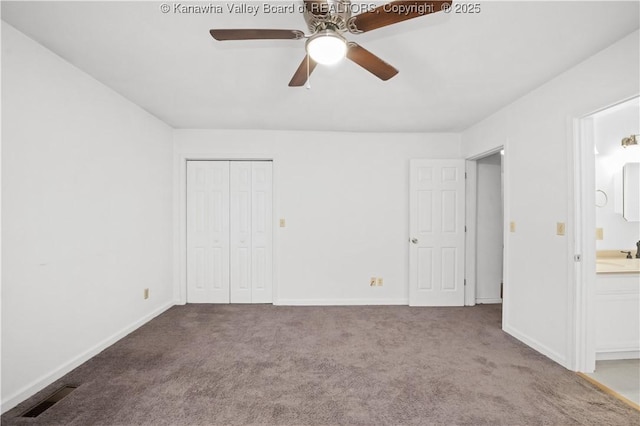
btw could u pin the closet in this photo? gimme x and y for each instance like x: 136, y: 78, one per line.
x: 229, y: 232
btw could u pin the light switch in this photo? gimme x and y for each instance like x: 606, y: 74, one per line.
x: 282, y: 223
x: 512, y: 226
x: 560, y: 228
x: 599, y: 234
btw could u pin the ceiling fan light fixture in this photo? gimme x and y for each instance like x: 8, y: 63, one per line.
x: 326, y: 47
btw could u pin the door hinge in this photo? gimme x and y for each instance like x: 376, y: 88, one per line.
x: 465, y: 282
x: 465, y: 175
x: 465, y: 228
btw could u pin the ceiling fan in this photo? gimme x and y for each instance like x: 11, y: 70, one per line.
x: 328, y: 20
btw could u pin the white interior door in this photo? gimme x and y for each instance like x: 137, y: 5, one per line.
x: 436, y: 232
x: 208, y: 231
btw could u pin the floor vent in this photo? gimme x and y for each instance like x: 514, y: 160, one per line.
x: 43, y: 406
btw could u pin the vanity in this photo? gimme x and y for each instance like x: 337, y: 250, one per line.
x: 617, y: 306
x: 615, y: 262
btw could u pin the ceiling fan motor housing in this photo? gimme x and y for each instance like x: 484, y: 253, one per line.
x: 327, y: 15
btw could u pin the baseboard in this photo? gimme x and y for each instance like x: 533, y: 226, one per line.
x: 339, y: 302
x: 619, y: 354
x: 39, y: 384
x: 486, y: 301
x: 544, y: 350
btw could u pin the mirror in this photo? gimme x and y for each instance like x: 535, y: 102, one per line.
x: 601, y: 198
x: 631, y: 192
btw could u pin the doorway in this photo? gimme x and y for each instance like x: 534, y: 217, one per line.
x: 607, y: 303
x: 489, y: 229
x: 607, y: 333
x: 229, y: 232
x: 485, y: 237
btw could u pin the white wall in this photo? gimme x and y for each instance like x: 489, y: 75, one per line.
x: 489, y: 229
x: 86, y: 217
x: 345, y: 200
x: 610, y: 127
x: 536, y: 131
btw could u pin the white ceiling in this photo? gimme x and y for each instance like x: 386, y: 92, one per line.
x: 455, y: 69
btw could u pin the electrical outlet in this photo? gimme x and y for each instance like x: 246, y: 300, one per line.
x: 146, y: 293
x: 379, y: 282
x: 599, y: 234
x: 283, y: 223
x: 560, y: 228
x: 372, y: 281
x: 512, y: 226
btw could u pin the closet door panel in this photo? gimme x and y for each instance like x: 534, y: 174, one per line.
x: 261, y: 232
x: 240, y: 231
x: 207, y: 231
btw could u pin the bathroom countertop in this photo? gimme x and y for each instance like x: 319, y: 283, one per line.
x: 614, y: 262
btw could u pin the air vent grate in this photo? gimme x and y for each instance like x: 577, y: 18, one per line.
x: 43, y: 406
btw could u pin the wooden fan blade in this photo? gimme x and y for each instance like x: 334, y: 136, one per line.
x: 370, y: 62
x: 394, y: 12
x: 253, y: 34
x: 300, y: 76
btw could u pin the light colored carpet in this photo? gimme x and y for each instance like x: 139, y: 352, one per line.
x: 370, y: 365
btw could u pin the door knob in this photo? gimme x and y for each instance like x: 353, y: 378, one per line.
x: 414, y: 240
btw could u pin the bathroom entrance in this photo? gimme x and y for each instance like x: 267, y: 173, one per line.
x: 608, y: 272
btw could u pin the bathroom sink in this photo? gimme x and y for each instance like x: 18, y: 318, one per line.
x: 613, y: 265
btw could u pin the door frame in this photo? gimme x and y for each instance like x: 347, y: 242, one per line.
x: 180, y: 217
x: 472, y: 228
x: 582, y: 347
x: 582, y: 320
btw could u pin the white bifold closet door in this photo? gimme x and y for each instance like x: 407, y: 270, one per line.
x: 229, y: 232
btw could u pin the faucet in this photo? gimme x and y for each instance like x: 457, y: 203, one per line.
x: 638, y: 250
x: 628, y: 254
